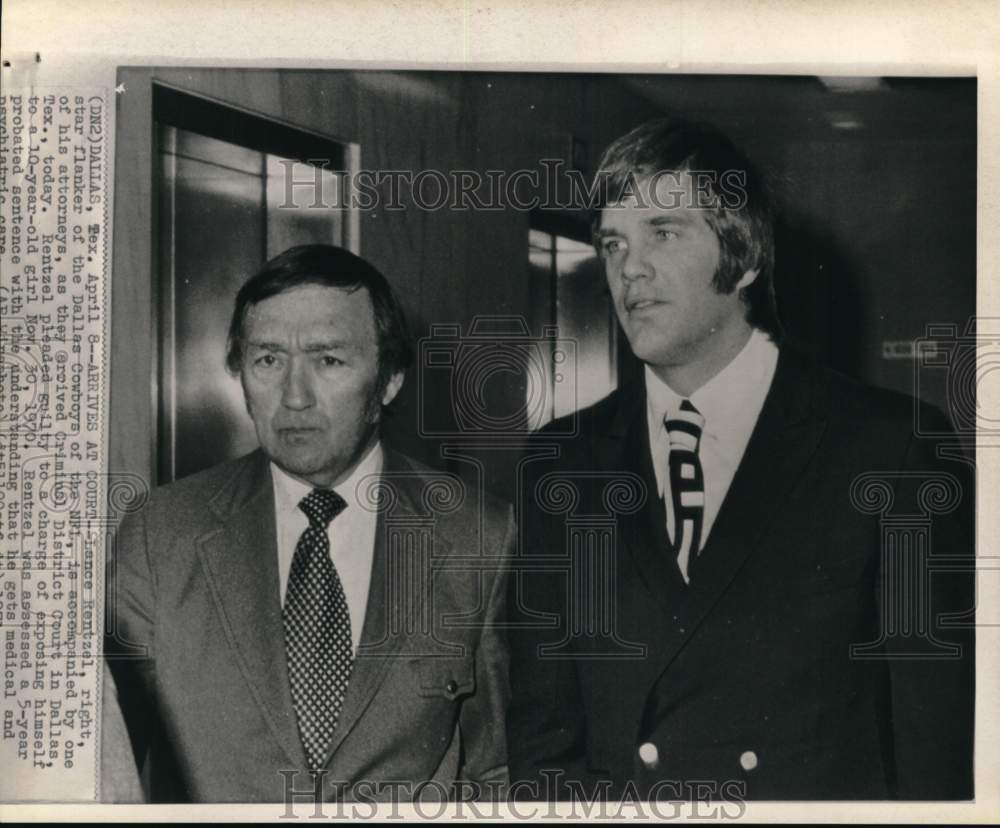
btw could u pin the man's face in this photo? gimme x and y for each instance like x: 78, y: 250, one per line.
x: 660, y: 257
x: 310, y: 377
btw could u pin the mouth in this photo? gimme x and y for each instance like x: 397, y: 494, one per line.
x: 297, y: 434
x: 639, y: 305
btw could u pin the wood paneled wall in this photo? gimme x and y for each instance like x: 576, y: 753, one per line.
x: 876, y: 230
x: 447, y: 265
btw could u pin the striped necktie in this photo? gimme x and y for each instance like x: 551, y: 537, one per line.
x: 687, y: 483
x: 317, y: 629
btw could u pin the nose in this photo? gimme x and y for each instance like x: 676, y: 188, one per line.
x: 296, y: 391
x: 636, y: 265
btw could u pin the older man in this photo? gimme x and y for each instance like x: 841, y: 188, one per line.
x: 282, y: 603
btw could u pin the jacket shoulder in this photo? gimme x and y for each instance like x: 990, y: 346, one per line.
x: 594, y: 418
x: 852, y: 399
x: 458, y: 506
x: 885, y: 421
x: 193, y: 493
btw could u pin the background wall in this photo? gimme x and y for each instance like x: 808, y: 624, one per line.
x: 876, y: 234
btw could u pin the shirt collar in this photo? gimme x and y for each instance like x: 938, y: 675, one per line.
x: 729, y: 401
x: 288, y: 491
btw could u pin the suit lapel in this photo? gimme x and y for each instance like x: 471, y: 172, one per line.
x: 785, y: 438
x: 241, y: 566
x: 382, y: 640
x: 376, y: 647
x: 642, y: 537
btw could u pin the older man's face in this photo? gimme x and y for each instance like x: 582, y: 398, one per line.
x: 310, y: 377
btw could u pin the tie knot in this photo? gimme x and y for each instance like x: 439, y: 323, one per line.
x: 684, y: 426
x: 688, y: 408
x: 321, y: 506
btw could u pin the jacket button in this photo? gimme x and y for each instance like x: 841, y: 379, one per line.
x: 451, y: 686
x: 748, y: 760
x: 649, y: 755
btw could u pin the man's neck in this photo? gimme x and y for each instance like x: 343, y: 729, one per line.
x: 688, y: 375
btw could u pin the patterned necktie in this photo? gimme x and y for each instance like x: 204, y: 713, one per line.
x: 317, y: 629
x: 687, y: 483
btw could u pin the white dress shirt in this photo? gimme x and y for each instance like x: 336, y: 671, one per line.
x: 351, y: 534
x: 730, y: 402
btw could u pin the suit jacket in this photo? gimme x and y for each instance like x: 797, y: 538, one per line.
x: 747, y: 680
x: 196, y: 645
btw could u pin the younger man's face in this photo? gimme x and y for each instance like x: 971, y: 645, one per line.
x: 660, y: 258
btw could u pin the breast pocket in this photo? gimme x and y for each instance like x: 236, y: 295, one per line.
x: 831, y: 576
x: 821, y: 578
x: 445, y: 678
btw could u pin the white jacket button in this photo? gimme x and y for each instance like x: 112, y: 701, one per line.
x: 649, y: 755
x: 748, y: 760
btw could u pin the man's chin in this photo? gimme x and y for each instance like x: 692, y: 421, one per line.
x: 313, y: 476
x: 652, y: 349
x: 302, y: 464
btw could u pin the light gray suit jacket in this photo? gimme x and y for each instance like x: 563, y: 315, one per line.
x: 196, y: 645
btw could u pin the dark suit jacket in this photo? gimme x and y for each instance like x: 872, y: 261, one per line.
x: 747, y: 680
x: 195, y: 583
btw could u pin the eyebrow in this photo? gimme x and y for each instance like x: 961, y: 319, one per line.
x: 326, y: 345
x: 679, y: 218
x: 263, y: 345
x: 654, y: 221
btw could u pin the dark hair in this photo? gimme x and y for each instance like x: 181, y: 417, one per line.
x: 741, y: 221
x: 328, y: 266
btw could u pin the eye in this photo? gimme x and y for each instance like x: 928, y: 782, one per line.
x: 329, y: 361
x: 266, y: 361
x: 611, y: 246
x: 664, y: 234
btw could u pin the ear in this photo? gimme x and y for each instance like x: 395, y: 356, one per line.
x: 392, y: 387
x: 747, y: 279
